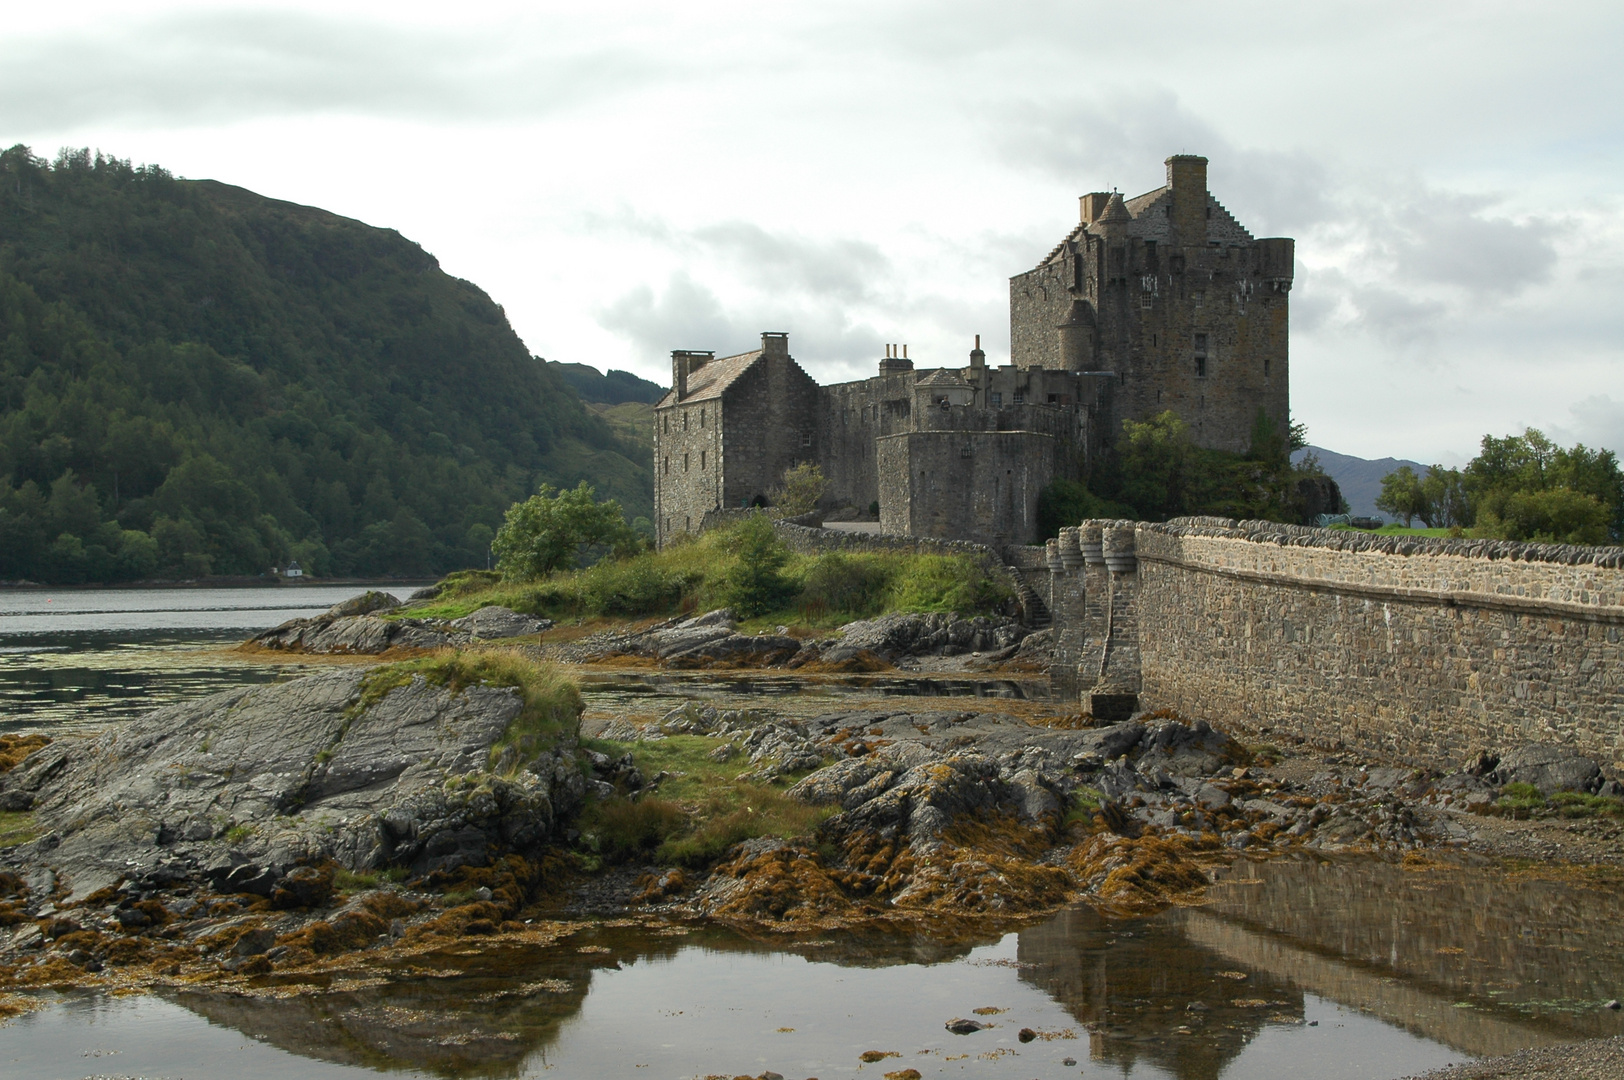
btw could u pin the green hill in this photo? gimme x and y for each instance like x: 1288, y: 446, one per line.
x: 614, y: 388
x: 196, y: 379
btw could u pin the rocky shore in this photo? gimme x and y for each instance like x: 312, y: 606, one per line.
x: 366, y: 815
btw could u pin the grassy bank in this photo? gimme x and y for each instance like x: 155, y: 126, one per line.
x: 703, y: 573
x: 702, y: 808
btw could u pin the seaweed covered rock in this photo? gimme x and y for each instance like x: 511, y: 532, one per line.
x: 357, y: 627
x: 367, y: 769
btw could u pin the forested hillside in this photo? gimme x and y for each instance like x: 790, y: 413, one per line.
x: 199, y: 380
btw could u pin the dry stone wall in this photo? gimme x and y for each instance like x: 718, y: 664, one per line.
x: 1420, y: 649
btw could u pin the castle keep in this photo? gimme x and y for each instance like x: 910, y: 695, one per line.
x: 1159, y: 302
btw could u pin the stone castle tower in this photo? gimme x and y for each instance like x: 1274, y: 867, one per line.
x: 1168, y: 291
x: 1159, y: 302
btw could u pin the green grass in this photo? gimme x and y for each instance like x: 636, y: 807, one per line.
x: 16, y: 827
x: 1085, y: 801
x: 692, y: 575
x: 1392, y: 529
x: 1526, y: 800
x: 701, y: 810
x: 351, y: 881
x: 238, y: 833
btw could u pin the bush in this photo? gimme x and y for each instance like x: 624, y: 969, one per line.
x: 854, y: 584
x: 946, y: 583
x: 620, y: 829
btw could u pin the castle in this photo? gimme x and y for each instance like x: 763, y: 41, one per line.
x: 1159, y: 302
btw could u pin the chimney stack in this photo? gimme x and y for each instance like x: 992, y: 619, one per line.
x: 1187, y: 180
x: 684, y: 362
x: 774, y: 343
x: 978, y: 359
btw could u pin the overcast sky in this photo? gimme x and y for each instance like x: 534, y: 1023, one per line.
x: 626, y: 179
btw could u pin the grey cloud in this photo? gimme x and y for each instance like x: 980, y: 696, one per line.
x: 838, y: 268
x: 207, y: 67
x: 1121, y: 140
x: 1398, y: 318
x: 689, y: 315
x: 1448, y: 238
x: 1598, y: 421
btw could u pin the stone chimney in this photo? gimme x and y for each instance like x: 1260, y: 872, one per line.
x: 1092, y: 206
x: 684, y: 362
x: 1187, y: 180
x: 978, y: 359
x: 895, y: 360
x: 774, y: 343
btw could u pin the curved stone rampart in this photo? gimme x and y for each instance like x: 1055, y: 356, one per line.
x: 1415, y: 647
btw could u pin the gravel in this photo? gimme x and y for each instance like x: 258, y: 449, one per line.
x: 1596, y: 1059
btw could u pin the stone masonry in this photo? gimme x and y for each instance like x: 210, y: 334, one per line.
x: 1159, y: 302
x: 1418, y: 648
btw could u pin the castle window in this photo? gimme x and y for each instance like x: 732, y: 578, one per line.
x: 1265, y: 367
x: 667, y: 419
x: 1201, y: 356
x: 702, y: 461
x: 668, y: 464
x: 685, y: 463
x: 1201, y: 367
x: 1017, y: 398
x: 806, y: 439
x: 685, y: 421
x: 995, y: 398
x: 701, y: 417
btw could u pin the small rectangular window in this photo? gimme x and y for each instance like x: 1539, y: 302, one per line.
x: 995, y: 398
x: 685, y: 463
x: 701, y: 417
x: 806, y: 439
x: 685, y: 421
x: 702, y: 461
x: 1201, y: 367
x: 668, y: 464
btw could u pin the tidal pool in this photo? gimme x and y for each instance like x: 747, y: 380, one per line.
x: 1334, y: 969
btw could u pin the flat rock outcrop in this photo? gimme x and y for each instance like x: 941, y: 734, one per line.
x: 240, y: 787
x: 357, y: 626
x: 713, y: 639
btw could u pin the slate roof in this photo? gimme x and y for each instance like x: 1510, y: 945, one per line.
x: 710, y: 381
x: 942, y: 377
x: 1150, y: 222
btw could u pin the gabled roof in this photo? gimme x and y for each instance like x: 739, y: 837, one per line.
x: 711, y: 380
x: 942, y: 377
x: 1150, y: 222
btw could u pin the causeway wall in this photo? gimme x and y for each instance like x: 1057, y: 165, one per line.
x: 1420, y: 649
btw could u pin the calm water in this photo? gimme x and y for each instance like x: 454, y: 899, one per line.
x: 1340, y: 970
x: 1335, y: 970
x: 72, y: 660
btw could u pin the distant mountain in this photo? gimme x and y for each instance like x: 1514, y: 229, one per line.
x: 614, y: 388
x: 1359, y: 478
x: 195, y: 379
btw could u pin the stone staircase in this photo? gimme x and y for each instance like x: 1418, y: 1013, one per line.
x: 1037, y: 612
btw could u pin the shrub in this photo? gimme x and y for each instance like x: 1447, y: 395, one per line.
x: 946, y: 583
x: 620, y: 829
x: 856, y: 584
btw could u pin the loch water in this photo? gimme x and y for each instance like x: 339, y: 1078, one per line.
x: 1290, y: 968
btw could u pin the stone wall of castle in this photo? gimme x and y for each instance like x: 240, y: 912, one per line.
x: 980, y: 486
x: 1171, y: 294
x: 1419, y: 649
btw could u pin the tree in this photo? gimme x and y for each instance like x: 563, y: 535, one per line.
x: 799, y: 490
x: 1403, y: 496
x: 754, y: 584
x: 553, y: 529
